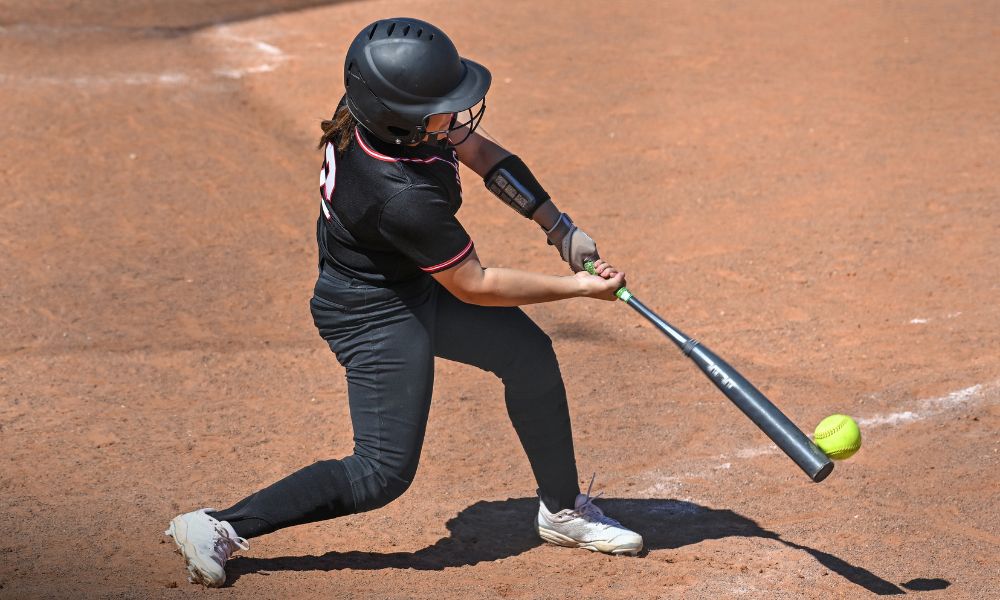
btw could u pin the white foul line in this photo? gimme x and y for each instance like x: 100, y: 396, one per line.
x: 924, y: 409
x: 931, y: 406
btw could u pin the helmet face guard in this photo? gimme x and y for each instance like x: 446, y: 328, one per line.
x: 475, y: 114
x: 400, y: 72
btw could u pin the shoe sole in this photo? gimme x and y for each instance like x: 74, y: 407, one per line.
x: 178, y: 531
x: 554, y: 537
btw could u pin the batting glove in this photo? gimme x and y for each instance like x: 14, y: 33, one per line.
x: 575, y: 247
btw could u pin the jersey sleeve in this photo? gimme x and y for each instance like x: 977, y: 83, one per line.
x: 420, y: 224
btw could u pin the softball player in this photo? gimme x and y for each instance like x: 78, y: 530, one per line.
x: 400, y: 283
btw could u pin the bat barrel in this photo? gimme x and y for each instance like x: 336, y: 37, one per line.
x: 746, y: 397
x: 762, y: 412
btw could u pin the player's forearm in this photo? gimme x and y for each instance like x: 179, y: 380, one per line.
x: 509, y: 179
x: 546, y: 215
x: 479, y: 153
x: 513, y: 287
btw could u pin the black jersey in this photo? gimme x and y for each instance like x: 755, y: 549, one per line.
x: 388, y: 211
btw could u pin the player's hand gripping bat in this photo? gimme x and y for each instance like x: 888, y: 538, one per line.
x: 754, y: 404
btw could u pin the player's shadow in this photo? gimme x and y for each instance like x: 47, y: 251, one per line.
x: 493, y: 530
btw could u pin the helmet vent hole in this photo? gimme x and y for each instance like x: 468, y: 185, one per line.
x: 406, y: 31
x: 398, y: 131
x: 371, y: 32
x: 430, y: 37
x: 392, y: 27
x: 420, y: 32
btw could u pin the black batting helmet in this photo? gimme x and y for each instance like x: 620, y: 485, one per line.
x: 398, y: 72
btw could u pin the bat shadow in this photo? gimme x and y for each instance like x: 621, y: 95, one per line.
x: 497, y: 529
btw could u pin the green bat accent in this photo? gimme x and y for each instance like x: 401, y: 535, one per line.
x: 623, y: 294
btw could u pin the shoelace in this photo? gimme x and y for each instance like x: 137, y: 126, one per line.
x: 590, y: 511
x: 225, y: 545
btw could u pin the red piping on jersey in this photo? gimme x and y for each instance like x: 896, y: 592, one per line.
x: 384, y: 158
x: 369, y: 151
x: 457, y: 258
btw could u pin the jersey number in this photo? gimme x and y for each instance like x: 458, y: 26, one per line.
x: 327, y: 181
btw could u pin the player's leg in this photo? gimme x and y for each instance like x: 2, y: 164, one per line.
x: 382, y: 339
x: 506, y: 342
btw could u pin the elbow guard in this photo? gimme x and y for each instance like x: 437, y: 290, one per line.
x: 512, y: 181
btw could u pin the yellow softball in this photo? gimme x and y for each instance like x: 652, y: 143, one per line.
x: 838, y: 436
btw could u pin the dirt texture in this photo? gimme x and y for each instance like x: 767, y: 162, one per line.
x: 811, y: 189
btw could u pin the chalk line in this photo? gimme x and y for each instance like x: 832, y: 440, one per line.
x: 237, y: 50
x: 931, y: 406
x: 924, y: 409
x: 923, y: 320
x: 237, y: 44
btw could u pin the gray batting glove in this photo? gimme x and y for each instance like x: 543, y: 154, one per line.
x: 575, y: 247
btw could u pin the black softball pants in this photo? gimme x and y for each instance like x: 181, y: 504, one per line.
x: 387, y: 338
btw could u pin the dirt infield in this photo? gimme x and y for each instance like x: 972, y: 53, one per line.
x: 813, y: 189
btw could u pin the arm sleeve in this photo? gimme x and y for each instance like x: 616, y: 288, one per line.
x: 420, y: 224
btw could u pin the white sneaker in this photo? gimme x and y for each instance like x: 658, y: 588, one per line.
x: 586, y: 526
x: 206, y: 544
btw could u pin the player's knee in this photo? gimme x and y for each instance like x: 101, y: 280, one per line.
x: 383, y: 484
x: 393, y: 485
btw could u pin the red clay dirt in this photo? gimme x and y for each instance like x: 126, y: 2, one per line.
x: 812, y: 189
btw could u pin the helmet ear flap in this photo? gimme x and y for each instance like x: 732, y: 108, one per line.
x: 372, y: 114
x: 398, y: 131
